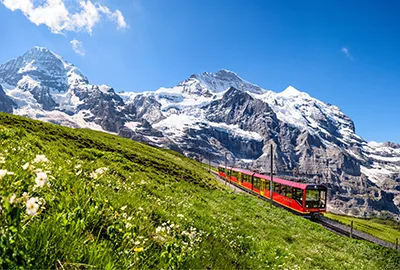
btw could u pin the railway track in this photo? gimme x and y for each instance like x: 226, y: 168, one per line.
x: 336, y: 229
x: 328, y: 224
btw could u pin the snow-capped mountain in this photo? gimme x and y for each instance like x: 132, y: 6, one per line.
x: 210, y: 114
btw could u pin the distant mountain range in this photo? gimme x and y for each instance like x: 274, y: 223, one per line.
x: 210, y: 114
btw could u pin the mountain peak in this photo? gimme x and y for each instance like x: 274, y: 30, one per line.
x: 38, y: 48
x: 290, y: 91
x: 225, y: 72
x: 219, y: 82
x: 44, y: 54
x: 43, y: 66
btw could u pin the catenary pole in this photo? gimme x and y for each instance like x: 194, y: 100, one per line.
x: 226, y: 172
x: 272, y: 174
x: 351, y: 229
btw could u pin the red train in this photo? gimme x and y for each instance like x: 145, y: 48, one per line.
x: 305, y: 199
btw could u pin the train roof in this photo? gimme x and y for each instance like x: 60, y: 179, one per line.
x: 243, y: 171
x: 279, y: 180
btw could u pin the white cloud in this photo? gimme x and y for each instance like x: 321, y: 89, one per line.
x: 77, y: 46
x: 347, y: 53
x: 58, y: 18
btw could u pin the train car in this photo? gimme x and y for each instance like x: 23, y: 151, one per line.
x: 305, y: 199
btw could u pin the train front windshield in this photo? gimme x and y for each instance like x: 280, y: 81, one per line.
x: 315, y: 198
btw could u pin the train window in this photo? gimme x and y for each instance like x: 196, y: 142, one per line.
x: 266, y: 185
x: 256, y: 183
x: 221, y: 169
x: 297, y: 194
x: 322, y: 198
x: 276, y: 187
x: 234, y: 174
x: 314, y: 198
x: 289, y: 192
x: 283, y: 190
x: 312, y: 195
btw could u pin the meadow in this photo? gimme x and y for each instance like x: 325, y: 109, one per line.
x: 75, y: 198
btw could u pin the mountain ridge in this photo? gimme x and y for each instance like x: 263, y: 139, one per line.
x: 210, y: 114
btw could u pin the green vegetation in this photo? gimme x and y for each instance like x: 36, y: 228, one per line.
x: 387, y: 230
x: 86, y: 199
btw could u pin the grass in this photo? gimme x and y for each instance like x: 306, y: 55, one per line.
x: 112, y: 203
x: 387, y: 230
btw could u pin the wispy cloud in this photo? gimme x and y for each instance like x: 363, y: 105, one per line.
x: 346, y: 51
x: 77, y: 46
x: 56, y: 15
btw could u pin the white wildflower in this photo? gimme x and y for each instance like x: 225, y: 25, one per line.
x: 26, y: 166
x: 4, y: 173
x: 40, y: 159
x: 93, y: 175
x: 32, y: 206
x: 180, y: 215
x: 12, y: 198
x: 97, y: 173
x: 128, y: 225
x: 41, y: 179
x: 2, y: 160
x: 101, y: 170
x: 123, y: 208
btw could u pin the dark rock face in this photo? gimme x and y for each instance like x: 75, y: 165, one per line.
x: 6, y: 104
x: 103, y: 106
x: 239, y: 108
x: 147, y: 107
x: 201, y: 141
x: 42, y: 96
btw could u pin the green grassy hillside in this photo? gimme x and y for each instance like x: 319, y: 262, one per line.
x: 86, y: 199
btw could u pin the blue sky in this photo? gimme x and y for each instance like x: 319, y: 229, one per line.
x: 342, y: 52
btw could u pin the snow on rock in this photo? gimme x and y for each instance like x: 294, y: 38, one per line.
x: 175, y: 125
x: 236, y: 131
x: 133, y: 125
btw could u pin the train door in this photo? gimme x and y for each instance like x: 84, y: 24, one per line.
x: 262, y: 186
